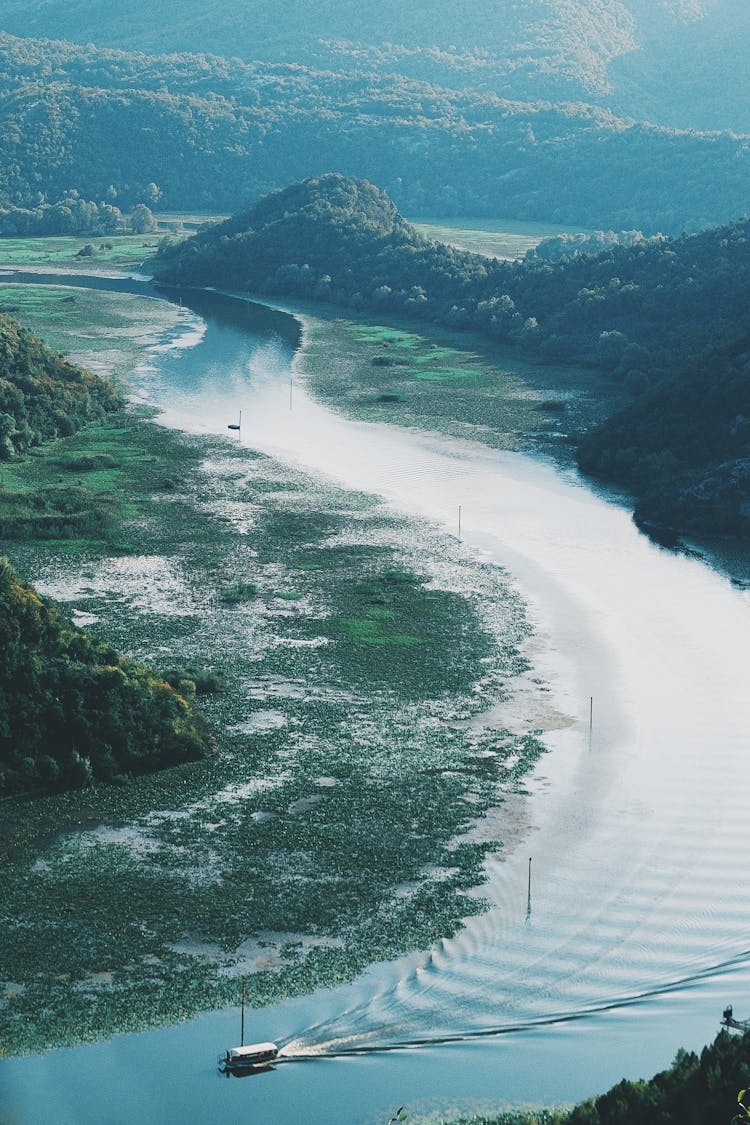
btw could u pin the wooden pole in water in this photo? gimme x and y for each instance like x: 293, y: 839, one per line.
x: 239, y: 427
x: 242, y: 1024
x: 591, y: 719
x: 528, y: 900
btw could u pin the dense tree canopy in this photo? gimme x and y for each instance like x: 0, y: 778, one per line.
x: 42, y: 396
x: 674, y: 62
x: 73, y: 215
x: 72, y: 711
x: 214, y: 133
x: 695, y: 1090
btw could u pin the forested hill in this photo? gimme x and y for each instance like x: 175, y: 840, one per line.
x: 42, y: 396
x: 72, y: 711
x: 640, y: 309
x: 332, y: 238
x: 666, y: 317
x: 208, y: 133
x: 560, y: 46
x: 673, y: 62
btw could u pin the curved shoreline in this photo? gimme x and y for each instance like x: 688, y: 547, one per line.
x: 150, y: 378
x: 666, y: 642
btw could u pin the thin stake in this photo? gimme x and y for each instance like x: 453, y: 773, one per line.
x: 591, y: 720
x: 239, y: 426
x: 242, y: 1025
x: 528, y: 901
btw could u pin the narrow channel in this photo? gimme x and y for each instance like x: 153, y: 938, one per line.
x: 637, y: 929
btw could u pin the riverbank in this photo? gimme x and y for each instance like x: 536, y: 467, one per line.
x: 430, y: 379
x: 337, y: 650
x: 616, y: 959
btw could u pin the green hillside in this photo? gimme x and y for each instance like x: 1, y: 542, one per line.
x: 73, y: 710
x: 565, y: 47
x: 666, y: 317
x: 206, y: 133
x: 678, y: 62
x: 42, y: 396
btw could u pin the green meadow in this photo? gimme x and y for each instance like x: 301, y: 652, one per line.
x: 115, y: 251
x: 106, y: 332
x: 500, y: 238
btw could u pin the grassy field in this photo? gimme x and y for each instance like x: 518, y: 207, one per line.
x: 116, y: 251
x: 109, y: 333
x: 500, y: 238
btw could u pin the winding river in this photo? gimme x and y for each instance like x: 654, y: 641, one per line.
x: 636, y: 931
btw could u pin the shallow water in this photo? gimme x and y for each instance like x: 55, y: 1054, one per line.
x: 637, y: 927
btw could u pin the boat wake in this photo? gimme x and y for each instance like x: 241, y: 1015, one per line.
x: 326, y: 1040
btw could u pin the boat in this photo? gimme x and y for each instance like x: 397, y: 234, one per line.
x: 236, y: 425
x: 729, y: 1021
x: 254, y: 1056
x: 250, y: 1058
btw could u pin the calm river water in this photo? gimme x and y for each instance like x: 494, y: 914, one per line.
x: 638, y: 928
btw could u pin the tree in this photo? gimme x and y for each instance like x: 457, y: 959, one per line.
x: 142, y: 220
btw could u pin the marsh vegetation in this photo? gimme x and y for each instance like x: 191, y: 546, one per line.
x: 329, y: 830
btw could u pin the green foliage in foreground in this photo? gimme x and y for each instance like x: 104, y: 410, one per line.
x: 42, y: 396
x: 53, y: 513
x: 695, y: 1090
x: 72, y: 711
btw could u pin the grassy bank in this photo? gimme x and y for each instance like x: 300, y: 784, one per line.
x: 336, y: 660
x: 108, y: 333
x: 430, y: 378
x: 117, y: 251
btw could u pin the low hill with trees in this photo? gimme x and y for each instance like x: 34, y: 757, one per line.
x: 42, y: 396
x: 667, y: 317
x: 72, y: 711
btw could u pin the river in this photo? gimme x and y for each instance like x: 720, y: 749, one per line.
x: 636, y: 930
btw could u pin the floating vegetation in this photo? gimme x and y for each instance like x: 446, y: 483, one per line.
x: 238, y: 592
x: 347, y: 696
x: 495, y: 396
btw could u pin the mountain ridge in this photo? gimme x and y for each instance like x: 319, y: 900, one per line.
x: 211, y: 134
x: 641, y: 59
